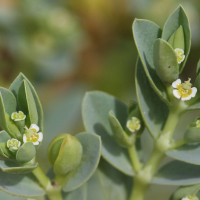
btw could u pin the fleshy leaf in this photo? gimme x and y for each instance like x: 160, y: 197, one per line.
x: 26, y: 152
x: 145, y: 34
x: 185, y: 191
x: 177, y: 173
x: 111, y: 183
x: 165, y: 61
x: 187, y: 153
x: 8, y: 105
x: 4, y: 137
x: 96, y: 106
x: 177, y: 19
x: 179, y: 41
x: 153, y: 109
x: 27, y: 102
x: 121, y: 137
x: 78, y: 194
x: 20, y: 185
x: 14, y: 89
x: 91, y: 154
x: 14, y: 167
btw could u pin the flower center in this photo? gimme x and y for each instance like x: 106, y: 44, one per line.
x: 184, y: 89
x: 33, y: 138
x: 17, y: 116
x: 13, y: 144
x: 133, y: 124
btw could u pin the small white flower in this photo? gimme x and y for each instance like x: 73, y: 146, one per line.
x: 32, y: 135
x: 183, y: 91
x: 180, y: 55
x: 190, y: 198
x: 133, y: 124
x: 18, y: 116
x: 198, y: 123
x: 13, y: 144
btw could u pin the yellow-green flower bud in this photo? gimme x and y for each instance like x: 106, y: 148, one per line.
x: 13, y: 144
x: 64, y: 154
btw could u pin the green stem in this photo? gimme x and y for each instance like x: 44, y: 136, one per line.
x: 177, y: 144
x: 134, y: 159
x: 144, y: 176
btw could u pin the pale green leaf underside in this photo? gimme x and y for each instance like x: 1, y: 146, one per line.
x: 177, y: 173
x: 145, y: 33
x: 96, y: 106
x: 111, y: 182
x: 178, y: 18
x: 91, y: 144
x: 20, y: 185
x: 189, y: 153
x: 78, y: 194
x: 153, y: 109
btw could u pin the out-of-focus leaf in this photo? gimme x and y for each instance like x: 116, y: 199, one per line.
x: 178, y: 18
x: 153, y: 109
x: 178, y: 173
x: 145, y: 34
x: 187, y: 153
x: 116, y: 185
x: 20, y: 185
x: 91, y: 154
x: 96, y: 106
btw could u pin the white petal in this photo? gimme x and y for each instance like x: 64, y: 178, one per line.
x: 138, y: 127
x: 175, y: 83
x: 194, y: 91
x: 34, y: 126
x: 176, y: 94
x: 19, y: 143
x: 178, y: 49
x: 36, y: 143
x: 185, y: 198
x: 40, y: 136
x: 186, y: 98
x: 24, y: 138
x: 127, y: 125
x: 15, y: 148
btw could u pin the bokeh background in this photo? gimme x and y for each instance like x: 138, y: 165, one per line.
x: 69, y: 47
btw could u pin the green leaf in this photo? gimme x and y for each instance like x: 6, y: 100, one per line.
x: 165, y: 61
x: 27, y: 102
x: 26, y: 152
x: 20, y: 185
x: 197, y: 80
x: 121, y: 137
x: 177, y: 173
x: 8, y: 105
x: 187, y: 153
x: 13, y: 167
x: 6, y: 196
x: 4, y: 151
x: 96, y: 106
x: 91, y: 154
x: 145, y: 34
x: 4, y: 137
x: 14, y: 89
x: 179, y: 38
x: 171, y: 40
x: 153, y: 109
x: 185, y: 191
x: 177, y: 19
x: 78, y: 194
x: 95, y: 190
x: 111, y: 182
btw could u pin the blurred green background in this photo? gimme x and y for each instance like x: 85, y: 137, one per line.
x: 68, y: 47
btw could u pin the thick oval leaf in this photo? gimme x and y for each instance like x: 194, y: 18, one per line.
x: 173, y: 23
x: 8, y: 105
x: 96, y: 106
x: 78, y: 194
x: 27, y: 102
x: 187, y: 153
x: 165, y: 61
x: 95, y: 190
x: 153, y: 109
x: 91, y: 154
x: 145, y: 33
x: 4, y: 137
x: 26, y: 152
x: 111, y: 182
x: 6, y: 196
x: 20, y: 185
x: 178, y: 173
x: 13, y: 167
x: 179, y: 40
x: 14, y: 89
x: 185, y: 191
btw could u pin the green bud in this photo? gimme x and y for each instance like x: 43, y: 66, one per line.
x: 19, y: 119
x: 64, y: 154
x: 192, y: 134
